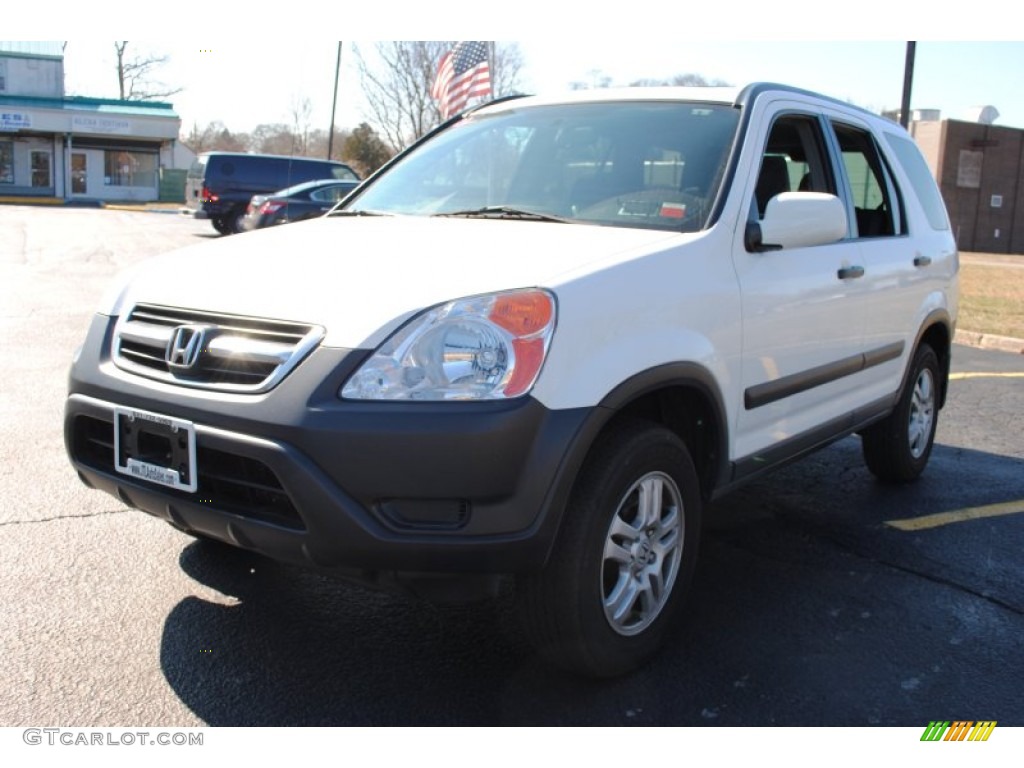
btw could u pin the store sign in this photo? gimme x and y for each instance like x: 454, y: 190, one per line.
x: 93, y: 124
x: 14, y: 121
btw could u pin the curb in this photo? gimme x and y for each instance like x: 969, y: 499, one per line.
x: 59, y: 202
x: 989, y: 341
x: 143, y: 208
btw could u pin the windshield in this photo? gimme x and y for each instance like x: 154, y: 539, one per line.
x: 642, y: 164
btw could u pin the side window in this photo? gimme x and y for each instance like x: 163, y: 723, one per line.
x: 872, y: 188
x: 330, y: 194
x: 793, y: 160
x: 343, y: 173
x: 921, y: 179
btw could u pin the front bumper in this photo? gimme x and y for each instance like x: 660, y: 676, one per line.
x: 302, y: 476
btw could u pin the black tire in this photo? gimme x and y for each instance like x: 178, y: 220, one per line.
x: 897, y: 449
x: 230, y: 223
x: 234, y: 222
x: 594, y: 609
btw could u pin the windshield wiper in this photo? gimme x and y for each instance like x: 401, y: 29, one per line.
x: 344, y: 212
x: 504, y: 212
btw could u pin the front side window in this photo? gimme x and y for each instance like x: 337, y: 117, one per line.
x: 794, y: 160
x: 654, y: 165
x: 871, y: 188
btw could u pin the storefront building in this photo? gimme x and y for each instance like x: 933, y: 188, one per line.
x: 53, y: 146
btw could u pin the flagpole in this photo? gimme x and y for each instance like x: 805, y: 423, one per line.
x: 491, y: 65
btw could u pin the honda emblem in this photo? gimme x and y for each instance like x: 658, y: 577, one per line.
x: 186, y: 346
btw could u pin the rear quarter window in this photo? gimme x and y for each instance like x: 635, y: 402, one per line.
x: 921, y: 180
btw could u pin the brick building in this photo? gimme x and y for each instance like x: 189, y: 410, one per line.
x: 980, y: 170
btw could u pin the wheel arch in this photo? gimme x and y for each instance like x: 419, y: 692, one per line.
x: 937, y: 332
x: 685, y: 398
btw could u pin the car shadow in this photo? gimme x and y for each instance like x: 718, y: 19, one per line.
x: 807, y: 609
x: 285, y: 646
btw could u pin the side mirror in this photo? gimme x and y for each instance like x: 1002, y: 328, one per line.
x: 797, y: 220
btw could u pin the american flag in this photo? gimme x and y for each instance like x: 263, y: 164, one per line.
x: 464, y: 72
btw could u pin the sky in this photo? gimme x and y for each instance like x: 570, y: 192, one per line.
x: 243, y: 83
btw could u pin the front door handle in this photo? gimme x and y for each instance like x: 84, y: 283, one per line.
x: 847, y: 273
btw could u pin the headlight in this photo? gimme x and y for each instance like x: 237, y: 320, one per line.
x: 481, y: 348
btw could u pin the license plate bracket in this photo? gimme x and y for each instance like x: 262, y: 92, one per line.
x: 155, y: 448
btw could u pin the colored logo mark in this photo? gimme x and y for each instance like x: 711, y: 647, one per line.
x: 959, y: 730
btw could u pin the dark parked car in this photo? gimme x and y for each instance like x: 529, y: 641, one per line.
x: 220, y: 185
x: 303, y: 201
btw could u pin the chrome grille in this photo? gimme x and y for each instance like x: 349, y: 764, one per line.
x: 238, y: 354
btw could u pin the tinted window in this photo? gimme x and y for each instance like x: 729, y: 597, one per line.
x: 921, y: 179
x: 330, y: 194
x: 870, y: 185
x: 343, y: 173
x: 793, y: 161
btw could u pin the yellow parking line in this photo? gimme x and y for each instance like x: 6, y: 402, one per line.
x: 980, y: 375
x: 958, y: 516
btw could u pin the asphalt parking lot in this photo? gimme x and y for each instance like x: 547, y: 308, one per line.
x: 821, y: 597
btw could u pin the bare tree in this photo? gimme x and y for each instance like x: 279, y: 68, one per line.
x: 596, y: 79
x: 301, y: 112
x: 273, y: 138
x: 689, y: 78
x: 397, y: 88
x: 135, y: 72
x: 396, y: 84
x: 215, y: 135
x: 507, y: 64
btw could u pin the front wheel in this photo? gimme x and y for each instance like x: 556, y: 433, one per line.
x: 897, y: 449
x: 624, y: 558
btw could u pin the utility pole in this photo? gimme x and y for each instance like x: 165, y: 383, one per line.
x: 334, y: 104
x: 908, y: 79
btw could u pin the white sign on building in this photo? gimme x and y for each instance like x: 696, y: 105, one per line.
x: 96, y: 124
x: 14, y: 121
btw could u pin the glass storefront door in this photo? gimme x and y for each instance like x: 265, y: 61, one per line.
x: 41, y: 169
x: 79, y: 168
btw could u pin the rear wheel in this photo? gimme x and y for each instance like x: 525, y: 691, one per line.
x: 234, y: 222
x: 624, y: 557
x: 897, y: 449
x: 221, y: 225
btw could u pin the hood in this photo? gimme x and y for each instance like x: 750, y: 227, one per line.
x: 361, y: 277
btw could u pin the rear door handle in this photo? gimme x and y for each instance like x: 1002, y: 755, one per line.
x: 922, y: 261
x: 847, y: 273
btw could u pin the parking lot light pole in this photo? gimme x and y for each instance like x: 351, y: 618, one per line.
x: 334, y: 104
x: 908, y: 79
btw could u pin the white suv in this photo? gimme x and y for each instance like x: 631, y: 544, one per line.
x: 535, y: 345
